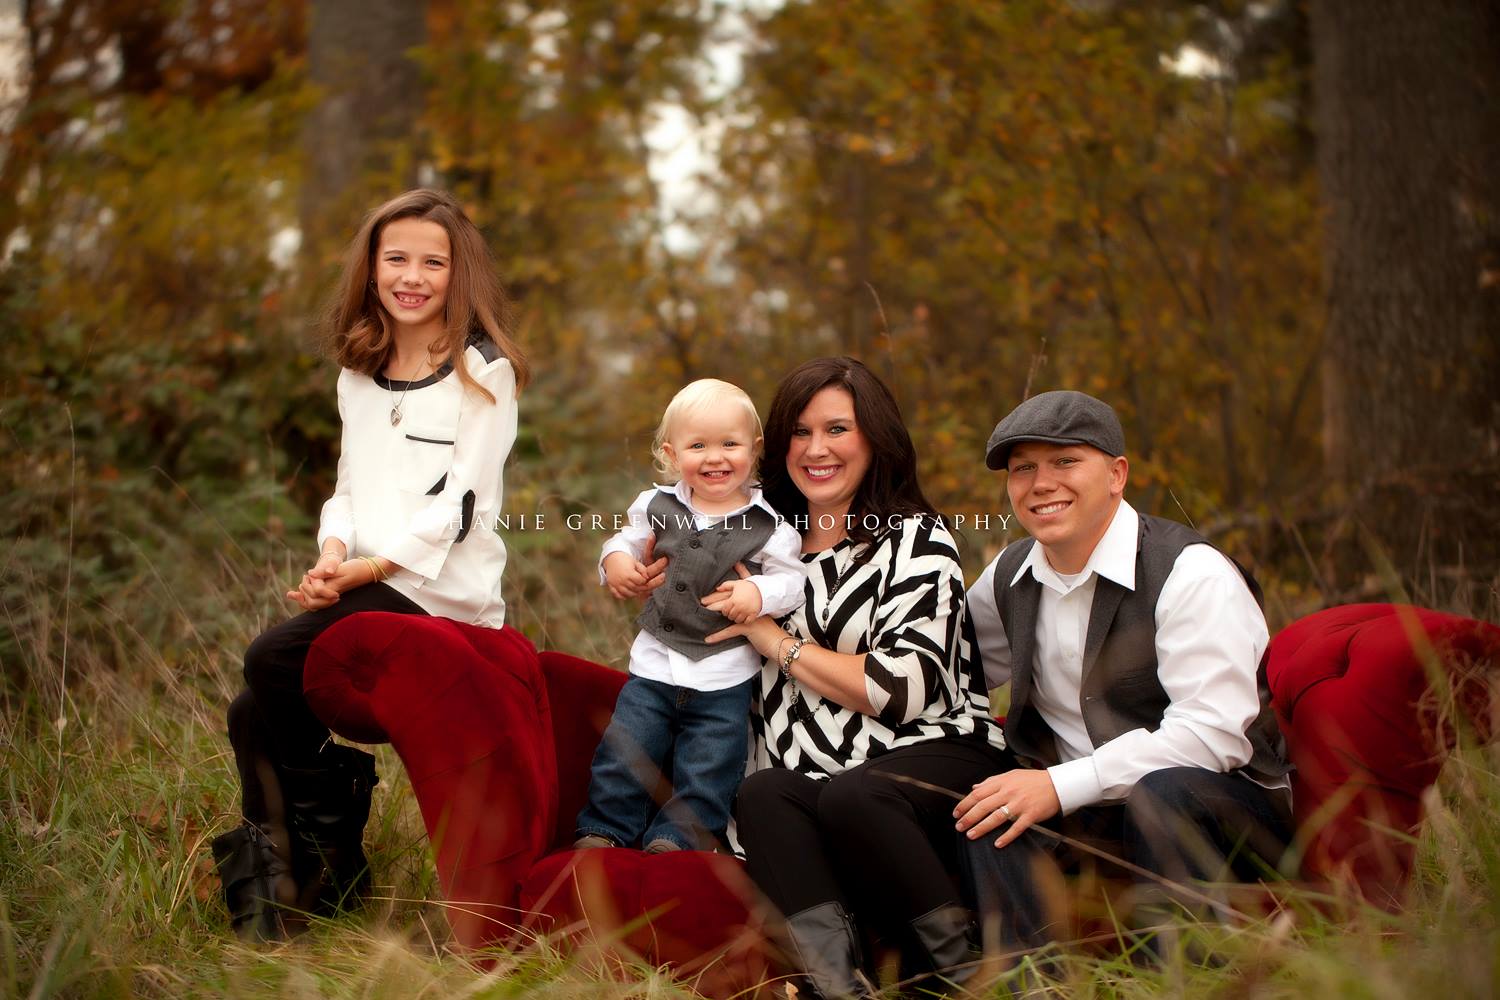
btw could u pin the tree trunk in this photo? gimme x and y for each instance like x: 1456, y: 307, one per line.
x: 370, y: 98
x: 1409, y: 162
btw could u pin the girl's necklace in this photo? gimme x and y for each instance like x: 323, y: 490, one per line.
x: 396, y: 405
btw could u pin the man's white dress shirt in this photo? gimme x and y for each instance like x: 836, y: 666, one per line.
x: 1210, y: 635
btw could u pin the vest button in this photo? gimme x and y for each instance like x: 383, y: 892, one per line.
x: 695, y: 544
x: 669, y: 627
x: 681, y: 587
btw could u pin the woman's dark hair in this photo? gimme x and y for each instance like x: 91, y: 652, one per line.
x: 890, y: 486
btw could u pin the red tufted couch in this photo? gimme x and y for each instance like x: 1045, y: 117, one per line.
x: 497, y: 741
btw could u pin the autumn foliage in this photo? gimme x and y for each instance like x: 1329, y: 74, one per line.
x: 979, y: 199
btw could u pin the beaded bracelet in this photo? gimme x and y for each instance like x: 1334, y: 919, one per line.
x: 791, y: 657
x: 780, y: 645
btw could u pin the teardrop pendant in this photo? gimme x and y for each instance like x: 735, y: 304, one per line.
x: 395, y: 416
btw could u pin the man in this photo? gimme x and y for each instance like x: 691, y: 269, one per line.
x: 1137, y: 714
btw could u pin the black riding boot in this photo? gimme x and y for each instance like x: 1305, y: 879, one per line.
x: 825, y: 945
x: 328, y: 806
x: 254, y: 863
x: 943, y: 935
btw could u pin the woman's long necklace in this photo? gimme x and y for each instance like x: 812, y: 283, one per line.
x: 796, y: 705
x: 838, y: 581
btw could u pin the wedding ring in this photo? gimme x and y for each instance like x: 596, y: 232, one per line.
x: 1005, y: 811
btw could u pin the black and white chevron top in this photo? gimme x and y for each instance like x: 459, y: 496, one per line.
x: 904, y: 606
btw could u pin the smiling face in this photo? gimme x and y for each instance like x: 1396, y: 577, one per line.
x: 1065, y: 497
x: 412, y: 267
x: 828, y: 456
x: 714, y: 448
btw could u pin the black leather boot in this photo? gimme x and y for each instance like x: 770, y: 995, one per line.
x: 256, y: 874
x: 944, y: 937
x: 327, y: 808
x: 825, y: 945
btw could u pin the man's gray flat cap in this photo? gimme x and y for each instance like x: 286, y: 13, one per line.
x: 1059, y: 417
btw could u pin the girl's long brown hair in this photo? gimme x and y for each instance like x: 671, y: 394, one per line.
x: 361, y: 334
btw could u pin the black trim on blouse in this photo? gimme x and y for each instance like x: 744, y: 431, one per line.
x: 442, y: 372
x: 479, y: 340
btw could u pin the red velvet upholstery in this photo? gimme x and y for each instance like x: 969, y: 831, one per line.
x: 1350, y: 688
x: 500, y: 777
x: 589, y: 692
x: 468, y: 711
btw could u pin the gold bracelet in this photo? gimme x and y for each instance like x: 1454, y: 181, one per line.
x: 780, y: 643
x: 376, y: 573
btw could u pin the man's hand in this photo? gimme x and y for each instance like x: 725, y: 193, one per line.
x: 737, y: 600
x: 1027, y: 795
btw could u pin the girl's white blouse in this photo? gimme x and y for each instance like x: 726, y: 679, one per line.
x: 401, y: 489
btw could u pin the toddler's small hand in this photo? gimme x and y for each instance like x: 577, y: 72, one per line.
x: 737, y: 600
x: 626, y: 577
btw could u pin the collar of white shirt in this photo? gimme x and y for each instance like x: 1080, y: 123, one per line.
x: 684, y: 496
x: 1113, y: 558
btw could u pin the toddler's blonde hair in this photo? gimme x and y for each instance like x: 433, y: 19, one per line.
x: 691, y: 399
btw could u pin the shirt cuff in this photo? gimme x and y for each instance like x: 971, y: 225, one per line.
x: 344, y: 533
x: 1076, y: 783
x: 422, y: 558
x: 779, y: 598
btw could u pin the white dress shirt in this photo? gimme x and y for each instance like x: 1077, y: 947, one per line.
x: 1210, y: 635
x: 781, y: 581
x: 385, y: 503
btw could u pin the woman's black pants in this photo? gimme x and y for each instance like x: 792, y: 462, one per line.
x: 878, y: 838
x: 270, y: 723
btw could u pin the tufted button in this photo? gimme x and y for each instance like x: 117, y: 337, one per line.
x: 669, y: 627
x: 680, y: 587
x: 695, y: 544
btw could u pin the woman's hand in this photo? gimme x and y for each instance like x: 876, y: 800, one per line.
x: 763, y: 632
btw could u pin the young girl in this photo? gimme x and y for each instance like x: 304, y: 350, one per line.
x: 427, y: 396
x: 688, y: 700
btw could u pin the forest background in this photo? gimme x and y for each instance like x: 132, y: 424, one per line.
x: 1268, y: 233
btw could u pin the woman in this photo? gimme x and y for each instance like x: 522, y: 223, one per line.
x: 427, y: 396
x: 868, y: 706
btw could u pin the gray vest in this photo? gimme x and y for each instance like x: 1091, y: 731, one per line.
x: 698, y: 562
x: 1121, y: 690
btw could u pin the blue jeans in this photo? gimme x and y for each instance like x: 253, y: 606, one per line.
x: 704, y: 734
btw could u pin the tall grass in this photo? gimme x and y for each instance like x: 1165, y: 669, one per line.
x: 112, y: 784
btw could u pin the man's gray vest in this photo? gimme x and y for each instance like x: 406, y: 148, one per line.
x: 1121, y: 690
x: 698, y: 561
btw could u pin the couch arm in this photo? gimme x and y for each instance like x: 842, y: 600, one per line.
x: 1356, y: 690
x: 467, y: 710
x: 583, y: 697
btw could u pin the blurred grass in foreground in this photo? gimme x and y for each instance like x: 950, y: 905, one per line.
x: 113, y: 780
